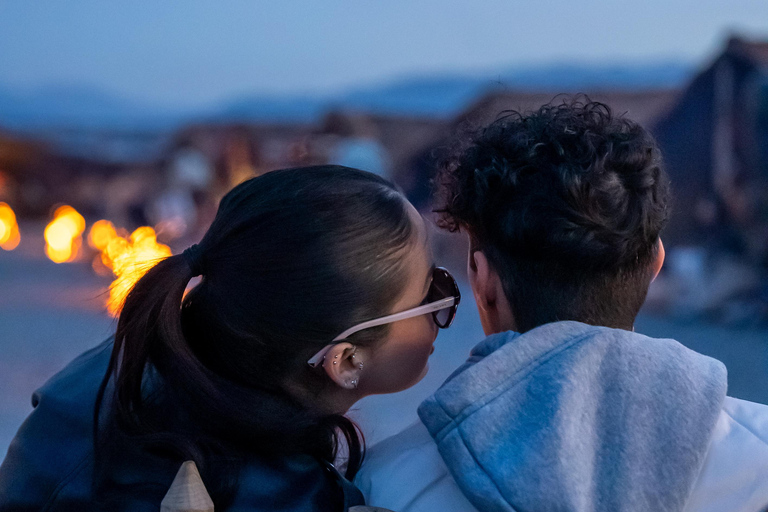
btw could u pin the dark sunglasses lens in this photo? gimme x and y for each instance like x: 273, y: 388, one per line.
x: 444, y: 317
x: 443, y: 286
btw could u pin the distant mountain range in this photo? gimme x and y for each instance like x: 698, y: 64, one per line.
x: 74, y: 107
x: 44, y: 109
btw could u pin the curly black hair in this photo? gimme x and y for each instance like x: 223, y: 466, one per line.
x: 567, y: 202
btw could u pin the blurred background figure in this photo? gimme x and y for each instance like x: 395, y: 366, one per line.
x: 139, y: 118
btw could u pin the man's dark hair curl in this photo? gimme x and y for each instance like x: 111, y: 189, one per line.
x: 567, y: 203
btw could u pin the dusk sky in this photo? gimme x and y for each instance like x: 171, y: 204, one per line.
x: 195, y: 51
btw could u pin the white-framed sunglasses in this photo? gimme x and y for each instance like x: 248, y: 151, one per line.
x: 442, y: 301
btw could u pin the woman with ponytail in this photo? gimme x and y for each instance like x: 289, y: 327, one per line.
x: 317, y: 288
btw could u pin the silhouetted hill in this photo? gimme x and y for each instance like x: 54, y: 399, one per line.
x: 436, y: 96
x: 79, y: 107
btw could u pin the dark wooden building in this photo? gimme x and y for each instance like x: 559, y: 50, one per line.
x: 715, y: 143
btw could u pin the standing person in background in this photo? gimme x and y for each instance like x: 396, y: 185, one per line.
x: 318, y: 288
x: 564, y: 407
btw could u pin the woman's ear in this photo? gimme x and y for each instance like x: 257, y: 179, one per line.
x: 343, y: 364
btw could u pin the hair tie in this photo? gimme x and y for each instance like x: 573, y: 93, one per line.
x: 194, y: 256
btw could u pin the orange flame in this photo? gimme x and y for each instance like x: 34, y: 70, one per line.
x: 128, y: 258
x: 63, y: 235
x: 9, y: 228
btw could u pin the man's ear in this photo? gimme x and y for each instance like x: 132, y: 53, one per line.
x: 658, y: 261
x: 343, y: 364
x: 492, y: 304
x: 481, y: 280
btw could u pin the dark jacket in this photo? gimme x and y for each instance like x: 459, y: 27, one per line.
x: 49, y: 465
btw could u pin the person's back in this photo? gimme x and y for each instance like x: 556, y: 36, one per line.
x: 563, y: 406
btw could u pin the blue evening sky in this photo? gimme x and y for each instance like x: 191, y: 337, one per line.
x: 188, y: 52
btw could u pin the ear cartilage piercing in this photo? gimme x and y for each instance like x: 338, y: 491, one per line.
x: 335, y: 362
x: 360, y: 365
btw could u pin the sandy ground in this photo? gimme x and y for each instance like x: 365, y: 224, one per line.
x: 50, y: 313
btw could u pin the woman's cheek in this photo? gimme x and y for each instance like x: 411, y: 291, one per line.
x: 401, y: 361
x: 417, y: 364
x: 401, y: 369
x: 423, y: 373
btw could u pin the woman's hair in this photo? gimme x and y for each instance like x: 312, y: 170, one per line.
x: 293, y: 258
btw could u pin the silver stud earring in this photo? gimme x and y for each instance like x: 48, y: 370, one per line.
x: 360, y: 365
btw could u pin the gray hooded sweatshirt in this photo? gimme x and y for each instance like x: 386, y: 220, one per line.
x: 574, y: 417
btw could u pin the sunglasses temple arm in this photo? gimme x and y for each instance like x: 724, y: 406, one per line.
x: 421, y: 310
x: 317, y: 359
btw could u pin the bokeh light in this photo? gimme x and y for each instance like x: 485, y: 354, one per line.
x: 9, y: 228
x: 63, y: 235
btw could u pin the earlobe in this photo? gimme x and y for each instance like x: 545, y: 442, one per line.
x: 472, y: 275
x: 658, y: 261
x: 495, y: 311
x: 482, y: 285
x: 471, y: 261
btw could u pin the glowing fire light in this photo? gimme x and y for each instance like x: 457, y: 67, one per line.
x: 63, y: 235
x: 128, y: 258
x: 9, y: 228
x: 101, y: 233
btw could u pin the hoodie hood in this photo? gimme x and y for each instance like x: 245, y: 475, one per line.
x: 573, y: 417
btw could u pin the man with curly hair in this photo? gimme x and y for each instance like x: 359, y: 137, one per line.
x: 563, y: 406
